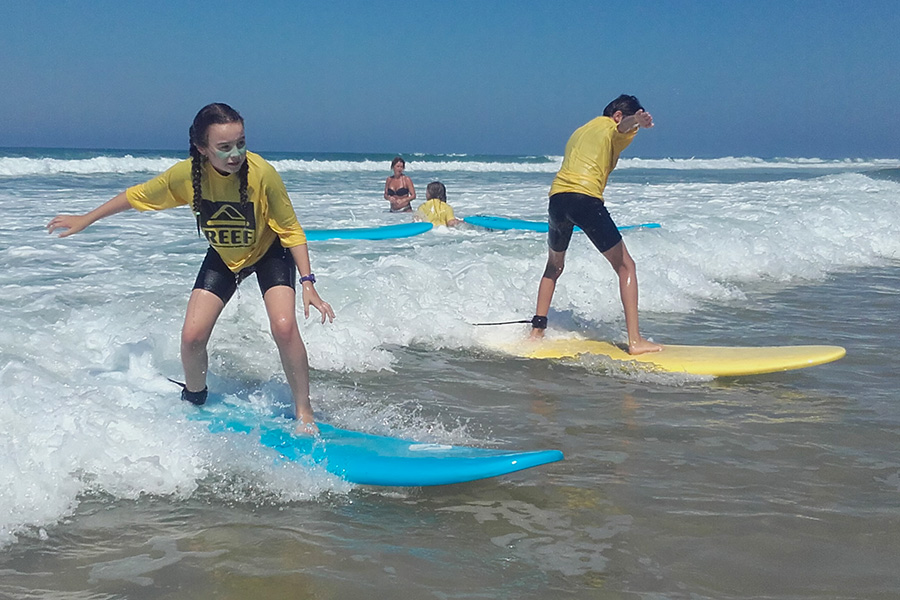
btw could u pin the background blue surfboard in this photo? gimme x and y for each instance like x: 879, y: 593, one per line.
x: 370, y: 459
x: 504, y: 223
x: 384, y: 232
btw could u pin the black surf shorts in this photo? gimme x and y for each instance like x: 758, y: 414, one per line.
x: 568, y: 209
x: 276, y: 267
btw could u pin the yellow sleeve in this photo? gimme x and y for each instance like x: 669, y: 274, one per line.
x: 169, y: 189
x: 282, y: 218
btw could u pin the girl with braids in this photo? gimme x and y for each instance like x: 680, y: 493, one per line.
x: 243, y: 210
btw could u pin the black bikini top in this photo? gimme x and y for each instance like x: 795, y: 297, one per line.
x: 398, y: 192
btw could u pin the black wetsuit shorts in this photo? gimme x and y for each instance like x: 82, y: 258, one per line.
x: 568, y: 209
x: 276, y: 267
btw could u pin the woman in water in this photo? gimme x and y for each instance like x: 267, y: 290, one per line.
x: 399, y: 189
x: 243, y: 209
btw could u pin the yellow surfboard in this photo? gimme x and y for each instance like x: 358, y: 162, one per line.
x: 717, y: 361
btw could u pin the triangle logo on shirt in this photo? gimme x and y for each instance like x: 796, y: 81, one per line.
x: 228, y: 224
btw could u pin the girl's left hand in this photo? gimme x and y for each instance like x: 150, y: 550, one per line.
x: 311, y: 297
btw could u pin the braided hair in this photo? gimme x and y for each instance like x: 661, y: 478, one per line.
x: 211, y: 114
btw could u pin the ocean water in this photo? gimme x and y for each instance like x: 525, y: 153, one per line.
x: 673, y: 487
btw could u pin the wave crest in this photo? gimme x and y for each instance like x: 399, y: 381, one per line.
x: 27, y: 166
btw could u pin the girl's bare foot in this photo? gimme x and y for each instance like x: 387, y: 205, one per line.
x: 306, y: 428
x: 306, y: 423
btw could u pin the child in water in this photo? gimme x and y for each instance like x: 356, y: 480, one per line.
x: 435, y: 209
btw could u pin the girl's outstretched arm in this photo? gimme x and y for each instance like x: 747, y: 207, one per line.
x: 75, y: 223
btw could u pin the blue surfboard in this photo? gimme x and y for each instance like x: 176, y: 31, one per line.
x: 369, y: 459
x: 384, y: 232
x: 503, y: 224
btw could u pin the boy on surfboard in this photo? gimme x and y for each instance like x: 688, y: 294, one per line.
x: 576, y: 198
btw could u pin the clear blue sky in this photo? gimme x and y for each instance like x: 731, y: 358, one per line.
x: 767, y: 78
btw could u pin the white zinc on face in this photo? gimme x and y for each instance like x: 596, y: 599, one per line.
x: 226, y: 147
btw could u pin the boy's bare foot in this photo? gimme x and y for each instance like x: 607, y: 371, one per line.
x: 642, y: 346
x: 536, y: 334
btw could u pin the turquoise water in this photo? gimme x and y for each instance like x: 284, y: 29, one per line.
x: 779, y: 486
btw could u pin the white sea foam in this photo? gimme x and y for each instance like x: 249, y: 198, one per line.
x: 24, y: 166
x: 749, y: 162
x: 449, y: 166
x: 21, y: 166
x: 91, y: 322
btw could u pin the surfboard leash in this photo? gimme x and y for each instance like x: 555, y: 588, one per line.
x: 536, y: 321
x: 195, y: 398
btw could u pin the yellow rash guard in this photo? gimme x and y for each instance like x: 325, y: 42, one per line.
x: 591, y: 154
x: 435, y: 211
x: 241, y: 234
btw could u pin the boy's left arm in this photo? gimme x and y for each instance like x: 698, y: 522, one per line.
x: 640, y: 119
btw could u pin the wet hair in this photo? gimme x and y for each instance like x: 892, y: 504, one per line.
x: 629, y: 105
x: 437, y: 190
x: 398, y: 159
x: 211, y: 114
